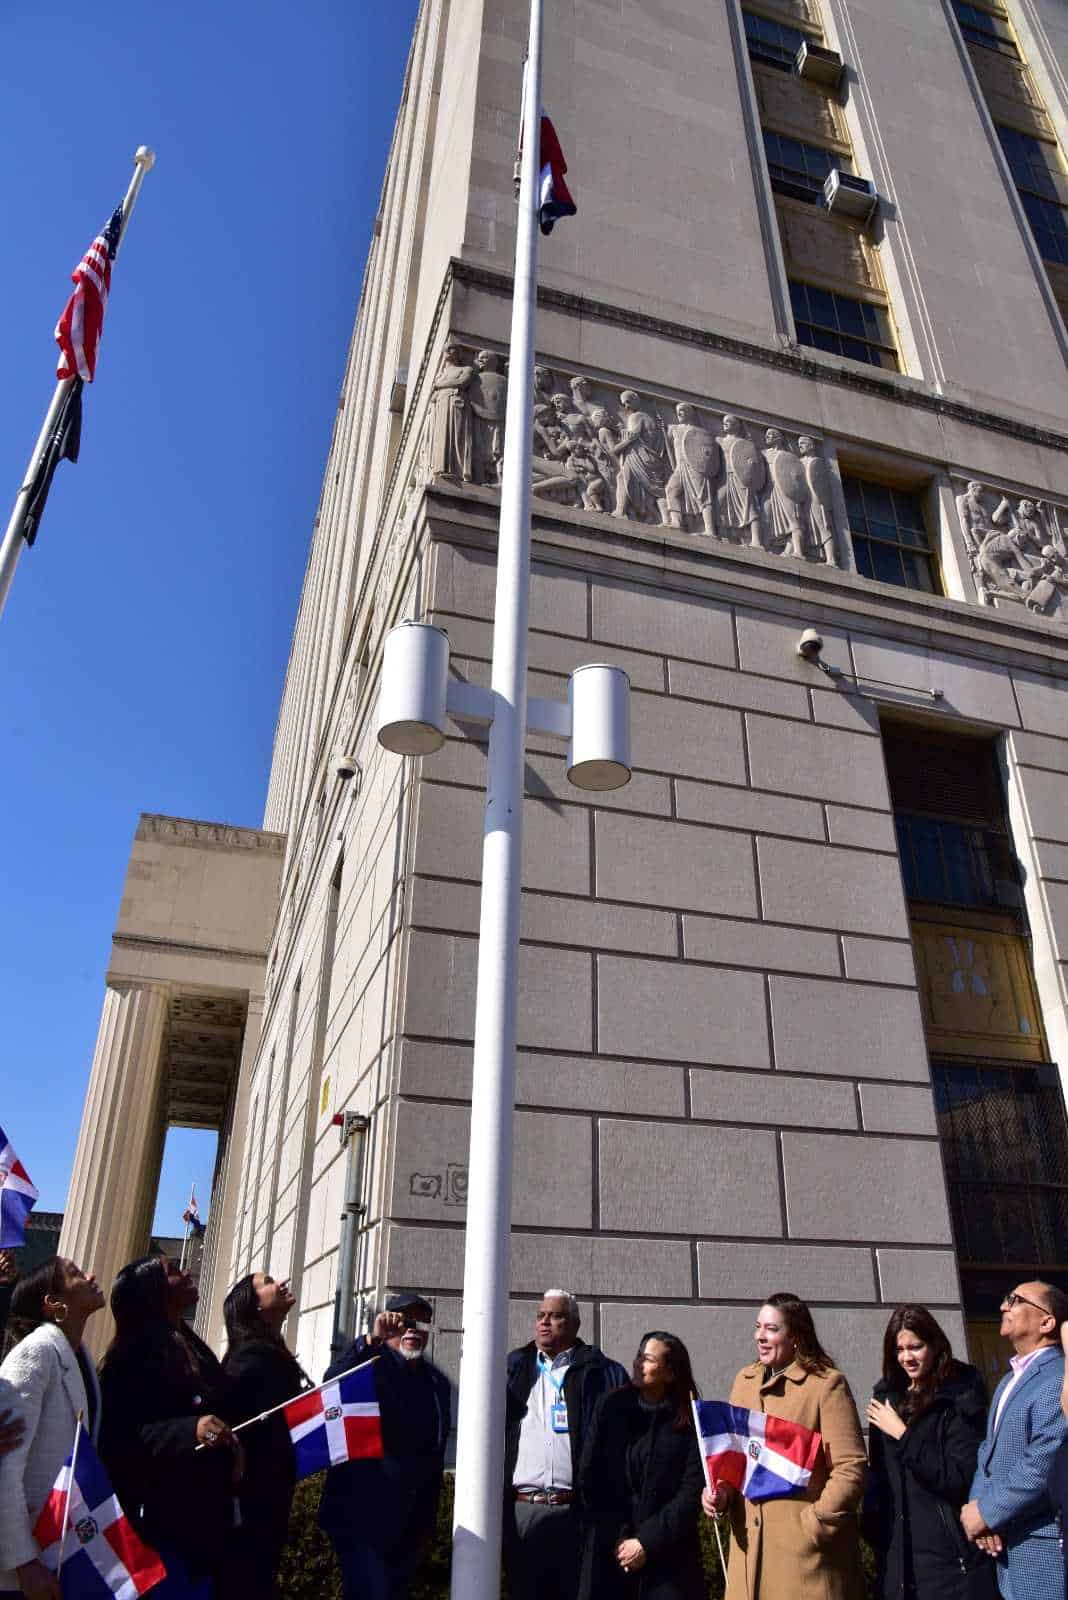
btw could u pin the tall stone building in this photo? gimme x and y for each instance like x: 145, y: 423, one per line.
x: 793, y: 1001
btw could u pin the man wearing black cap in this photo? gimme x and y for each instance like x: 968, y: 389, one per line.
x: 379, y: 1514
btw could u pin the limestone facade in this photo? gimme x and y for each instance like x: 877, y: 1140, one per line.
x: 725, y: 1038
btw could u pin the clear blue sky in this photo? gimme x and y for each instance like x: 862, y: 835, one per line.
x: 144, y: 644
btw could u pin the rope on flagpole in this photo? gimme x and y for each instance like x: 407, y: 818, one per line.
x: 708, y: 1482
x: 300, y: 1395
x: 70, y: 1491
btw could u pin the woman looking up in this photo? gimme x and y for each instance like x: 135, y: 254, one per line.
x: 163, y: 1392
x: 261, y: 1372
x: 928, y: 1419
x: 53, y: 1382
x: 809, y: 1542
x: 640, y: 1483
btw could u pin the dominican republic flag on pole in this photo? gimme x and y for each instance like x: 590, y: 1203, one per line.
x: 554, y: 196
x: 17, y: 1196
x: 766, y: 1458
x: 82, y: 322
x: 338, y: 1422
x: 86, y: 1538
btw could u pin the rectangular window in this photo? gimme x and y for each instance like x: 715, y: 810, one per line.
x: 979, y: 27
x: 1037, y: 174
x: 799, y: 169
x: 1005, y: 1143
x: 955, y: 865
x: 890, y: 539
x: 844, y: 327
x: 772, y: 42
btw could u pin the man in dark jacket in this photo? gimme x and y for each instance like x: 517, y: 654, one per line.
x: 554, y: 1383
x: 380, y: 1514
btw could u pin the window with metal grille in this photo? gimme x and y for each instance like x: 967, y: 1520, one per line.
x: 890, y: 538
x: 954, y: 865
x: 798, y: 169
x: 1036, y: 171
x: 772, y: 42
x: 842, y: 326
x: 979, y: 27
x: 1005, y: 1142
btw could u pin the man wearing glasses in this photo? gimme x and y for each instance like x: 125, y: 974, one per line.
x: 1010, y: 1515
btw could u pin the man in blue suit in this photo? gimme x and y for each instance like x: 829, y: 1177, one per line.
x: 1009, y: 1514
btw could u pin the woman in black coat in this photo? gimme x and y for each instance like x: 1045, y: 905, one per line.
x: 172, y: 1461
x: 928, y: 1419
x: 260, y: 1373
x: 640, y: 1482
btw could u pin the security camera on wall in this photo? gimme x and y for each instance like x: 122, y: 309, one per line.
x: 346, y: 768
x: 809, y: 645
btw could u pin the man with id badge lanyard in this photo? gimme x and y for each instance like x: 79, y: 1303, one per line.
x: 554, y: 1383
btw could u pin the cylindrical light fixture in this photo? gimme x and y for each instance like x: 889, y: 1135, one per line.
x: 411, y: 699
x: 598, y: 756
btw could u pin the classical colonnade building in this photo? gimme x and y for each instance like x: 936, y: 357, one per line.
x: 793, y: 1000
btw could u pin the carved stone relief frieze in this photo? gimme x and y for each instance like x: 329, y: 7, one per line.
x: 623, y: 455
x: 1017, y: 549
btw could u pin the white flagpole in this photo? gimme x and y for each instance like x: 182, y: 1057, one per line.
x: 708, y: 1481
x: 13, y: 542
x: 480, y: 1438
x: 66, y: 1503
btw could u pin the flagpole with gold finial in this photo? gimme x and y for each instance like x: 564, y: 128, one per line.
x: 11, y: 549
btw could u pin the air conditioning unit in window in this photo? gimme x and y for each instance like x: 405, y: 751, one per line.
x: 818, y: 64
x: 850, y: 196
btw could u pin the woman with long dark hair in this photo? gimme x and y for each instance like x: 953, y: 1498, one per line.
x: 172, y: 1459
x: 52, y: 1381
x: 261, y: 1372
x: 928, y: 1419
x: 809, y: 1542
x: 640, y: 1480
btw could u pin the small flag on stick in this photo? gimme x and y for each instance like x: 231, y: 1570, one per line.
x: 338, y: 1422
x: 191, y: 1214
x: 17, y: 1197
x: 83, y: 1529
x: 79, y: 328
x: 765, y: 1457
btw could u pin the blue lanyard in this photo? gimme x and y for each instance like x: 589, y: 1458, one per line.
x: 545, y: 1368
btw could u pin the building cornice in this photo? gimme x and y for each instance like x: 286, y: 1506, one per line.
x: 157, y: 829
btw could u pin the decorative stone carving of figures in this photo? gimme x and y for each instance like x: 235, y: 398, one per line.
x: 789, y: 499
x: 488, y: 394
x: 738, y: 498
x: 821, y: 487
x: 1030, y: 536
x: 580, y: 396
x: 605, y: 439
x: 640, y: 478
x: 450, y: 421
x: 1048, y: 583
x: 573, y: 423
x: 695, y: 462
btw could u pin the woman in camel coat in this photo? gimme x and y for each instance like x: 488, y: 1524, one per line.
x: 805, y: 1546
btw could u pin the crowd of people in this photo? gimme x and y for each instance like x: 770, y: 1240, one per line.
x: 605, y: 1485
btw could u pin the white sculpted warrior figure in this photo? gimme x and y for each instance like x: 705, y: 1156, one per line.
x: 450, y: 422
x: 738, y: 498
x: 689, y: 494
x: 640, y: 478
x: 789, y: 498
x: 488, y: 394
x: 821, y: 487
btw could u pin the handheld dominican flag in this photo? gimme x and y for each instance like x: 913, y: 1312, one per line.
x: 554, y: 196
x: 767, y: 1458
x: 338, y: 1422
x: 17, y: 1196
x: 102, y: 1555
x: 79, y: 328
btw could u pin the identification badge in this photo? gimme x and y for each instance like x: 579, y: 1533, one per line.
x: 559, y: 1416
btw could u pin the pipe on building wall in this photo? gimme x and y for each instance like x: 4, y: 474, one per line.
x: 354, y: 1137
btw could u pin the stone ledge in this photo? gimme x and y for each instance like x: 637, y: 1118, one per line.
x: 154, y: 828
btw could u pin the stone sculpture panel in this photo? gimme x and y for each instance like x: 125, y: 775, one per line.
x: 1017, y: 549
x: 622, y: 454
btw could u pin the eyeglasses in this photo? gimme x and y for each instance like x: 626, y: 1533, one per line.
x: 1014, y: 1299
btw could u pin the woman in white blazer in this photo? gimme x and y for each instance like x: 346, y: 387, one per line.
x: 50, y: 1380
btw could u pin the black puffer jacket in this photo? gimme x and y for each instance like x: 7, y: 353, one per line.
x: 918, y: 1485
x: 640, y: 1477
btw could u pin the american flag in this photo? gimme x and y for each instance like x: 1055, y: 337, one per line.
x: 79, y: 328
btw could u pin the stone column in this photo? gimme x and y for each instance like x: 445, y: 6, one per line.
x: 217, y: 1273
x: 107, y: 1217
